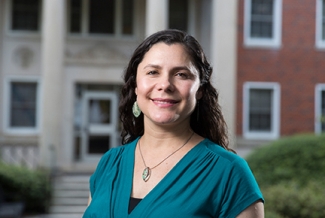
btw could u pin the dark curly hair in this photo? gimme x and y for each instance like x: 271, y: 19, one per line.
x: 206, y: 119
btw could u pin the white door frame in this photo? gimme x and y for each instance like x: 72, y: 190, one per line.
x: 98, y: 129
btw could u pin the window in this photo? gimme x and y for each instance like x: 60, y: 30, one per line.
x: 320, y: 108
x: 75, y: 16
x: 25, y: 15
x: 102, y: 17
x: 262, y: 23
x: 178, y: 14
x: 320, y: 24
x: 261, y: 110
x: 21, y: 96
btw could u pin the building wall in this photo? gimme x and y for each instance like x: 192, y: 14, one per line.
x: 100, y: 60
x: 14, y: 64
x: 297, y: 66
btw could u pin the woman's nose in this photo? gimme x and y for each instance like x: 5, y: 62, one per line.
x: 165, y: 84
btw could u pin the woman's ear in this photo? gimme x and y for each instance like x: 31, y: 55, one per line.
x: 136, y: 91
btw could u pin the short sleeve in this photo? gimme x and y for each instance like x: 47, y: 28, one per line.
x: 92, y: 183
x: 241, y: 189
x: 100, y: 169
x: 93, y: 177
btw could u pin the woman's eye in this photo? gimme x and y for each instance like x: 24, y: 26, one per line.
x: 183, y: 75
x: 152, y: 72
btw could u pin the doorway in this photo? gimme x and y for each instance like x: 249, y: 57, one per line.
x: 99, y: 124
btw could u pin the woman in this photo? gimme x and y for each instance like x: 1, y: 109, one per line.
x: 175, y: 161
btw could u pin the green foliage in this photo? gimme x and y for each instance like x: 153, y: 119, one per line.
x: 300, y: 158
x: 291, y: 200
x: 290, y: 172
x: 30, y: 186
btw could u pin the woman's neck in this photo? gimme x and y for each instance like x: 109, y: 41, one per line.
x: 165, y: 139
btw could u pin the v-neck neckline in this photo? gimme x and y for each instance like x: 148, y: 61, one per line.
x: 160, y: 184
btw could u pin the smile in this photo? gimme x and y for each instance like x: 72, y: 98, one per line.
x: 164, y: 102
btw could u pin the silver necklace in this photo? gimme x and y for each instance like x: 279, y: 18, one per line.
x: 147, y: 170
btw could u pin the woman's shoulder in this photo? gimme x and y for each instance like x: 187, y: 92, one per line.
x: 115, y: 154
x: 220, y: 152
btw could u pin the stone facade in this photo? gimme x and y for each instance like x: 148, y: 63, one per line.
x: 76, y: 76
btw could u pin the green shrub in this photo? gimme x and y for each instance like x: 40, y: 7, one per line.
x: 290, y: 172
x: 290, y: 200
x: 300, y: 158
x: 30, y: 186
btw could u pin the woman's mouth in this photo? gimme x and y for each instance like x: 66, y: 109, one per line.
x: 164, y: 102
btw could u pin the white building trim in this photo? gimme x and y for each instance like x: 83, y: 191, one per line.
x: 84, y: 22
x: 320, y: 42
x: 275, y: 120
x: 318, y: 103
x: 7, y: 102
x: 275, y: 41
x: 8, y: 21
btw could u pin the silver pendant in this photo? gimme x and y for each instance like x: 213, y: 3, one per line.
x: 146, y: 174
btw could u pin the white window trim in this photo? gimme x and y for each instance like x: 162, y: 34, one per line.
x: 6, y: 112
x: 318, y: 89
x: 118, y: 22
x: 275, y: 42
x: 10, y: 32
x: 320, y: 43
x: 275, y: 128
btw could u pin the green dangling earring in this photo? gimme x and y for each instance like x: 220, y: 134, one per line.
x: 136, y: 110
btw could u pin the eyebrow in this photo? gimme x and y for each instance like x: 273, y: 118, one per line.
x: 152, y: 65
x: 174, y: 68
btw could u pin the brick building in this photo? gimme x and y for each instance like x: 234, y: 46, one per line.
x: 280, y: 68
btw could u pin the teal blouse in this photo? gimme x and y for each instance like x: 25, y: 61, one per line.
x: 207, y: 182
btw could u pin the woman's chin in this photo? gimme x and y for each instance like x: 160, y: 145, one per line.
x: 164, y: 120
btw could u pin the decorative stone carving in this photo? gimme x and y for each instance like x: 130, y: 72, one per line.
x: 23, y: 57
x: 98, y: 54
x: 20, y: 154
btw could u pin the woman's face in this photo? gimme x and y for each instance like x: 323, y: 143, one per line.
x: 167, y: 85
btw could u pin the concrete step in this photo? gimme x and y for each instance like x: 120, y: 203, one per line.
x: 70, y: 186
x: 69, y: 201
x: 73, y: 178
x: 67, y: 209
x: 70, y: 195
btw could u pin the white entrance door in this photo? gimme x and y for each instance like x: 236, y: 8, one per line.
x: 100, y: 117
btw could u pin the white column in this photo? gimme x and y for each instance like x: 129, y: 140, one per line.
x: 223, y: 53
x: 53, y: 32
x: 156, y: 16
